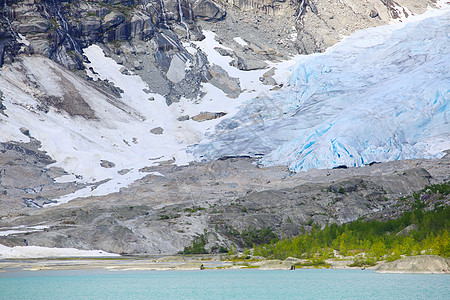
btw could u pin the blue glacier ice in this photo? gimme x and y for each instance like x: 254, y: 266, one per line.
x: 381, y: 94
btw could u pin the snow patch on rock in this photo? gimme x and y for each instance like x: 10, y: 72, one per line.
x: 45, y: 252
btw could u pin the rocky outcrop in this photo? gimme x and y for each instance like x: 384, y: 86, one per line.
x: 408, y: 229
x: 60, y: 30
x: 222, y: 80
x: 70, y: 26
x: 317, y: 24
x: 206, y: 116
x: 26, y: 178
x: 113, y: 19
x: 270, y: 7
x: 208, y: 10
x: 35, y: 25
x: 417, y: 264
x: 2, y: 107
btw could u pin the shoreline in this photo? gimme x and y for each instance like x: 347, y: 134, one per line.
x: 167, y: 263
x: 422, y: 264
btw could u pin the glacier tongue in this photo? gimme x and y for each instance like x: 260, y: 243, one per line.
x: 381, y: 94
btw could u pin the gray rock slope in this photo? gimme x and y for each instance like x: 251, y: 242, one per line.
x: 162, y: 215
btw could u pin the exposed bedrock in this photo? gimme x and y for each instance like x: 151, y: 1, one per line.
x: 224, y: 198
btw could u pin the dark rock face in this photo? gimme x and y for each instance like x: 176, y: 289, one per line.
x: 2, y: 107
x: 392, y: 7
x: 59, y: 30
x: 142, y: 26
x: 2, y: 53
x: 91, y: 26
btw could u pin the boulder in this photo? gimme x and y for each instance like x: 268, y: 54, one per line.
x: 157, y: 130
x: 417, y: 264
x: 113, y: 19
x: 107, y: 164
x: 208, y: 11
x: 183, y: 118
x: 137, y: 65
x: 224, y: 52
x: 176, y: 71
x: 206, y: 116
x: 293, y: 260
x: 267, y: 78
x: 407, y: 230
x: 222, y: 80
x: 249, y: 63
x: 373, y: 13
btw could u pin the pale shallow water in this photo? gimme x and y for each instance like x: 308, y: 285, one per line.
x: 221, y: 284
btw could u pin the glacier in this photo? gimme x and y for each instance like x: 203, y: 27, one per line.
x: 381, y: 94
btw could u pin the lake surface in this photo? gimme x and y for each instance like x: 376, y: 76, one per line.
x: 221, y: 284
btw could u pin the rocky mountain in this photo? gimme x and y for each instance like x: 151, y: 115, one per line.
x: 107, y: 107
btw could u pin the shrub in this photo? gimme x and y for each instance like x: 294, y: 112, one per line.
x: 197, y: 247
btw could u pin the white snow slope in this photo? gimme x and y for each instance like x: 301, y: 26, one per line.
x: 381, y: 94
x: 120, y: 129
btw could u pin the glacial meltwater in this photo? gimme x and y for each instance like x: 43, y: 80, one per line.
x: 221, y: 284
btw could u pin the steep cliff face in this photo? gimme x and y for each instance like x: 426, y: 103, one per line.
x: 321, y: 23
x: 60, y: 29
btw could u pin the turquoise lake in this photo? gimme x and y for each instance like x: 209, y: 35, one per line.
x: 221, y: 284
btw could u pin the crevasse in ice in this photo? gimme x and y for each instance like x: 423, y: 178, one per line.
x: 381, y: 94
